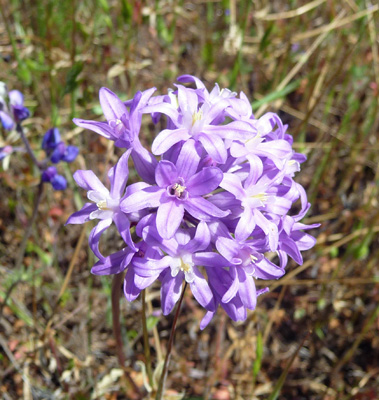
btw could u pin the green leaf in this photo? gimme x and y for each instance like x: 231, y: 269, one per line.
x: 276, y: 95
x: 151, y: 322
x: 71, y: 78
x: 258, y: 355
x: 24, y: 74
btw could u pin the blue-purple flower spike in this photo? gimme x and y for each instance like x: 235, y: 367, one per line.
x: 216, y: 195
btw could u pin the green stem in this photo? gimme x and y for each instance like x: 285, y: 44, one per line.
x: 162, y: 380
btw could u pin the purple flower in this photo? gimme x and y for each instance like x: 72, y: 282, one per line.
x: 123, y: 126
x: 199, y: 120
x: 51, y: 139
x: 64, y: 153
x: 178, y: 189
x: 56, y: 149
x: 51, y: 175
x: 219, y: 196
x: 106, y: 203
x: 16, y: 100
x: 184, y: 255
x: 129, y: 259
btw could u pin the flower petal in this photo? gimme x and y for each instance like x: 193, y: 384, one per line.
x: 81, y: 216
x: 205, y: 181
x: 146, y: 198
x: 169, y: 217
x: 214, y: 146
x: 165, y: 173
x: 95, y: 235
x: 167, y: 138
x: 247, y: 290
x: 203, y: 209
x: 113, y: 108
x: 87, y: 180
x: 118, y: 176
x: 188, y: 160
x: 170, y: 291
x: 101, y: 128
x: 201, y: 291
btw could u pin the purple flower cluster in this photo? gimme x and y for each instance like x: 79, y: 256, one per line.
x: 12, y: 110
x: 214, y: 210
x: 56, y: 151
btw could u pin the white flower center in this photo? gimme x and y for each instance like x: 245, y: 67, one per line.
x: 185, y: 265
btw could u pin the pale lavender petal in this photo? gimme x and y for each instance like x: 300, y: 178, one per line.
x: 208, y: 259
x: 188, y: 160
x: 82, y: 216
x: 123, y: 225
x: 246, y: 225
x: 144, y: 162
x: 214, y: 146
x: 95, y: 235
x: 87, y: 180
x: 167, y: 138
x: 170, y: 291
x: 233, y: 288
x: 207, y: 319
x: 142, y: 283
x: 247, y: 290
x: 203, y: 209
x: 131, y: 291
x: 200, y: 241
x: 256, y: 170
x: 230, y: 249
x: 165, y: 173
x: 149, y: 197
x: 150, y: 267
x: 236, y: 130
x: 118, y: 176
x: 303, y: 240
x: 101, y: 128
x: 201, y: 291
x: 190, y: 78
x: 232, y: 184
x: 283, y: 258
x: 114, y: 263
x: 113, y: 108
x: 164, y: 108
x: 205, y: 181
x: 265, y: 269
x: 169, y: 217
x: 187, y: 99
x: 16, y: 98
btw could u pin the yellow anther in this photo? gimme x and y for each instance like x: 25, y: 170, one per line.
x: 196, y: 116
x: 178, y: 189
x: 260, y: 196
x: 102, y: 205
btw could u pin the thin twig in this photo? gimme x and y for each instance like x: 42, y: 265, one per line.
x: 162, y: 380
x: 28, y: 147
x: 146, y: 345
x: 116, y: 284
x: 28, y: 231
x: 67, y: 277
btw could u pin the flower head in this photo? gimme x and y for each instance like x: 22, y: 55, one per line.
x: 216, y: 195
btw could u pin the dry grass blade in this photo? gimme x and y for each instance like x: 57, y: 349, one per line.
x: 279, y: 384
x: 301, y: 62
x: 288, y: 14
